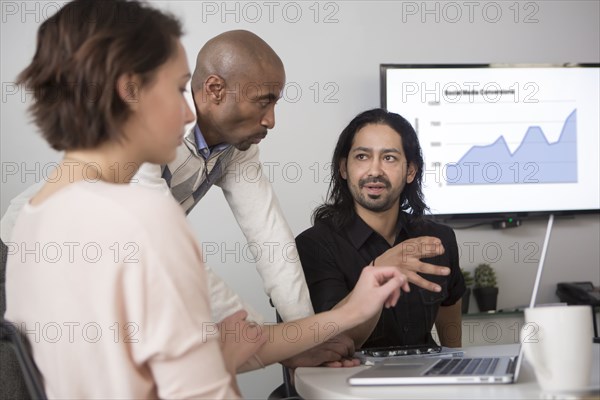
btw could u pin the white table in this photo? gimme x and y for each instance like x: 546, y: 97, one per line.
x: 330, y: 383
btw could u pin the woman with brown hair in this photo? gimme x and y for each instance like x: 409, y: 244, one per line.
x: 107, y: 280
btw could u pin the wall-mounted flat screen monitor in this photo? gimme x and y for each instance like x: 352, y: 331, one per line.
x: 502, y: 139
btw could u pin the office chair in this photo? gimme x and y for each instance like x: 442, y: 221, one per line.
x: 3, y: 260
x: 12, y: 384
x: 11, y: 338
x: 286, y: 390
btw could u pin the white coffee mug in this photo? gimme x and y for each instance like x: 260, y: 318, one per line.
x: 557, y: 342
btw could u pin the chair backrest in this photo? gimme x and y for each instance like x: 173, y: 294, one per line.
x: 3, y: 259
x: 290, y: 391
x: 12, y: 338
x: 12, y: 383
x: 286, y: 391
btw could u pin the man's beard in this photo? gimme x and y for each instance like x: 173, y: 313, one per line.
x: 375, y: 202
x: 243, y: 146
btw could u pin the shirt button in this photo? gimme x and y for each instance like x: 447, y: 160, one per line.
x: 405, y: 328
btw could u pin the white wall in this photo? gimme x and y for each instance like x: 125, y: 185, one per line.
x: 341, y: 58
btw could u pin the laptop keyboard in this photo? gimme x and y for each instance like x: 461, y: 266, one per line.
x: 464, y: 366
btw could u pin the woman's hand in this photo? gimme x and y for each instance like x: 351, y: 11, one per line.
x: 406, y: 256
x: 377, y: 287
x: 240, y: 340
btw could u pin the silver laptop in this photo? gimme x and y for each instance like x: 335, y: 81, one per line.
x: 443, y: 371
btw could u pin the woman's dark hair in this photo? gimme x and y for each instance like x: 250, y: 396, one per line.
x: 81, y: 52
x: 339, y: 206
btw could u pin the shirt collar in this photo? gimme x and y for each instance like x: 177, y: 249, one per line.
x: 359, y: 232
x: 203, y: 149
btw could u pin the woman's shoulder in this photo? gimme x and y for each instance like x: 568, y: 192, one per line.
x: 135, y: 201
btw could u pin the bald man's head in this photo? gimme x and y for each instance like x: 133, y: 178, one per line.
x: 236, y: 56
x: 236, y: 85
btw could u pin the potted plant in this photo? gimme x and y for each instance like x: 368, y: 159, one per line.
x: 485, y: 289
x: 468, y: 278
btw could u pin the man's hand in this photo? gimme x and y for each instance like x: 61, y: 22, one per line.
x: 406, y: 256
x: 335, y: 352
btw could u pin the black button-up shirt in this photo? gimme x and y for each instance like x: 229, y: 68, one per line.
x: 333, y: 260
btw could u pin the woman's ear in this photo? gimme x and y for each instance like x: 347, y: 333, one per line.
x: 214, y: 87
x: 344, y: 168
x: 128, y: 88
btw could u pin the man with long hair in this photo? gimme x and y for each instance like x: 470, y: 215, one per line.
x: 374, y: 216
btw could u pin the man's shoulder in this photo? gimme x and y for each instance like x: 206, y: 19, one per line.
x: 319, y: 231
x: 234, y: 154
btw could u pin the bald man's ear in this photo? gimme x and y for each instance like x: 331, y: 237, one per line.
x: 214, y: 87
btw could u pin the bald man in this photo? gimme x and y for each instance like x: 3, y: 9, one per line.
x: 237, y: 81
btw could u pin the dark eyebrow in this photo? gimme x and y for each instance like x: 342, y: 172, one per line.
x: 369, y: 150
x: 269, y: 96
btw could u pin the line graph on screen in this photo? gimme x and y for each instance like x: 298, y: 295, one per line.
x: 536, y: 159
